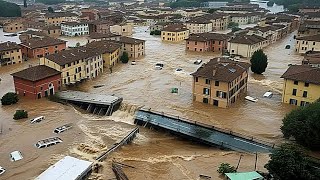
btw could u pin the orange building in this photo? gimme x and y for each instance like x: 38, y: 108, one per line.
x: 207, y: 42
x: 40, y: 47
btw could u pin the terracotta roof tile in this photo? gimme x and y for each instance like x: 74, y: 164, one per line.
x: 36, y: 73
x: 7, y: 46
x: 303, y: 73
x: 36, y: 42
x: 222, y: 69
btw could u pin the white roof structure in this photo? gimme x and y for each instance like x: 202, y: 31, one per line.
x: 68, y: 168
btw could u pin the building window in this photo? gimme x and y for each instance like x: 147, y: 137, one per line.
x: 207, y: 81
x: 196, y: 79
x: 205, y: 100
x: 303, y: 103
x: 306, y: 84
x: 216, y: 83
x: 295, y: 82
x: 215, y: 102
x: 294, y: 92
x: 293, y: 101
x: 206, y: 91
x: 305, y: 94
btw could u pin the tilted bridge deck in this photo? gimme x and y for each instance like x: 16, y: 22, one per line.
x: 202, y: 132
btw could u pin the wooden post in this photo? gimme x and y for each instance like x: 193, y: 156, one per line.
x: 255, y: 163
x: 239, y: 162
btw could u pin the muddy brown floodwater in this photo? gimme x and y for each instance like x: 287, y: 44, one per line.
x: 156, y: 155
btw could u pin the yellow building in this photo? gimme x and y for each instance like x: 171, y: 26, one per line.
x: 55, y: 19
x: 13, y: 27
x: 76, y: 64
x: 10, y: 53
x: 220, y: 82
x: 308, y: 43
x: 110, y: 51
x: 301, y: 85
x: 174, y: 33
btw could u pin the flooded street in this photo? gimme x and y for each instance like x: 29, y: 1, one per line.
x: 156, y: 155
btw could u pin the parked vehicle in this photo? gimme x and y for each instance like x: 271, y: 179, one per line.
x: 63, y: 128
x: 159, y: 66
x: 2, y: 170
x: 133, y: 63
x: 48, y: 142
x: 268, y: 94
x: 252, y: 99
x: 197, y: 62
x: 37, y: 119
x: 178, y: 69
x: 16, y: 156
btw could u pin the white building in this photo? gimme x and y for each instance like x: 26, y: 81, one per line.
x: 74, y: 29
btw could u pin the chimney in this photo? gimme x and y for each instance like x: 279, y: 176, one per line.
x: 214, y: 72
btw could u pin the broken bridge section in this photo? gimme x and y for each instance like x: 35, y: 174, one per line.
x: 200, y: 132
x: 99, y: 104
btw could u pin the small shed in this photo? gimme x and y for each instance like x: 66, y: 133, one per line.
x: 253, y: 175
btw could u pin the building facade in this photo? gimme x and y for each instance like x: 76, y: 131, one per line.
x: 307, y: 43
x: 123, y: 30
x: 13, y: 27
x: 74, y: 29
x: 37, y: 82
x: 221, y: 82
x: 174, y: 33
x: 10, y: 53
x: 134, y: 47
x: 205, y: 42
x: 301, y: 85
x: 52, y: 31
x: 246, y: 45
x: 40, y: 47
x: 76, y: 64
x: 199, y: 25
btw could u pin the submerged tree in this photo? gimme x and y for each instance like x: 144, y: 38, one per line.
x: 259, y: 62
x: 124, y: 58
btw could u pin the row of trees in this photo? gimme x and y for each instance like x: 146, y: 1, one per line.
x: 155, y: 32
x: 51, y: 2
x: 8, y: 9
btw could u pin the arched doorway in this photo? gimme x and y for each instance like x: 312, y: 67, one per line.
x: 51, y: 89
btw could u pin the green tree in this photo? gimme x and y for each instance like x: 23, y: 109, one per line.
x: 212, y: 11
x: 20, y: 114
x: 124, y: 58
x: 8, y: 9
x: 259, y: 62
x: 233, y: 25
x: 226, y: 168
x: 78, y: 44
x: 303, y: 125
x: 50, y: 9
x: 289, y: 162
x: 9, y: 98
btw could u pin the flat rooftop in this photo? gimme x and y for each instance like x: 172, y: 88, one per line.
x: 88, y: 97
x: 68, y: 168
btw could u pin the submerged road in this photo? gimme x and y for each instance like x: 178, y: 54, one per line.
x: 202, y: 132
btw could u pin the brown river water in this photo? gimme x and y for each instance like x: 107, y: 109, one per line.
x: 156, y: 155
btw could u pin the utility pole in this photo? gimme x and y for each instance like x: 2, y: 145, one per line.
x: 255, y: 163
x: 239, y: 162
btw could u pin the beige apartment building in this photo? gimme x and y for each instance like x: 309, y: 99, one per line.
x: 59, y: 17
x: 134, y: 47
x: 10, y: 53
x: 221, y: 82
x: 174, y: 33
x: 246, y: 45
x: 307, y: 43
x: 199, y: 25
x: 13, y: 27
x: 123, y: 30
x: 76, y: 64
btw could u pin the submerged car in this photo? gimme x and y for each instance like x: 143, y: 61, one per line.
x: 37, y: 119
x: 159, y: 66
x: 2, y: 170
x: 48, y: 142
x: 197, y: 62
x: 16, y: 156
x: 63, y: 128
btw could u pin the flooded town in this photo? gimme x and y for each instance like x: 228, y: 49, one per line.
x: 158, y: 90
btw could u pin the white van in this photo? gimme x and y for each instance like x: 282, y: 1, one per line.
x: 16, y: 156
x: 48, y: 142
x: 2, y: 170
x: 37, y: 119
x: 61, y: 129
